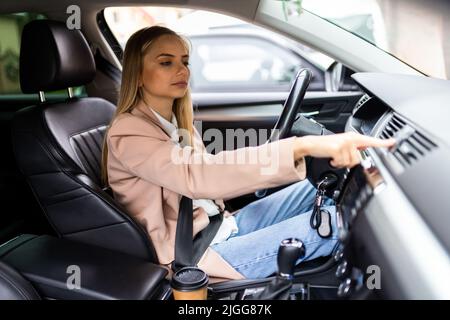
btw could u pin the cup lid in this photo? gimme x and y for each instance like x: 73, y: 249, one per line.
x: 189, y: 278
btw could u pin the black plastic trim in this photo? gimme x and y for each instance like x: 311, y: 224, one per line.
x: 109, y: 36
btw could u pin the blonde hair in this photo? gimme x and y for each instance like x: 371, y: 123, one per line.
x: 131, y: 94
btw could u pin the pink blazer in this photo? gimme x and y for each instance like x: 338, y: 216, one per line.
x: 147, y: 181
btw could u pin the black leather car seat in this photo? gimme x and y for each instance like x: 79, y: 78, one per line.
x: 58, y: 145
x: 13, y: 286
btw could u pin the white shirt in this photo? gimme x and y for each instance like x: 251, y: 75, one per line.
x: 228, y: 226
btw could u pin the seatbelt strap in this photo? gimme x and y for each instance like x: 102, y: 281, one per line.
x: 188, y: 251
x: 184, y: 242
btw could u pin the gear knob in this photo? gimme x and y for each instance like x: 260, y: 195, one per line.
x: 289, y: 252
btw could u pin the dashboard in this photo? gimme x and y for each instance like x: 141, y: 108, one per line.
x: 394, y: 209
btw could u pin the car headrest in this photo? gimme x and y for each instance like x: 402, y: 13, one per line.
x: 53, y: 57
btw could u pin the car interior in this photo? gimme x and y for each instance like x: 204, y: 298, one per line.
x: 57, y: 215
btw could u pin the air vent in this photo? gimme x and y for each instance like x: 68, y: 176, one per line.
x: 412, y: 144
x: 360, y: 102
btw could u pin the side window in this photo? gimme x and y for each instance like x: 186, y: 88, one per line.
x: 241, y: 63
x: 228, y: 54
x: 11, y: 26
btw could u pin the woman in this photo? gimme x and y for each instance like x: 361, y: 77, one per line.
x: 149, y: 167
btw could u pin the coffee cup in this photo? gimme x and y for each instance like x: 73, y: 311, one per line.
x: 190, y: 283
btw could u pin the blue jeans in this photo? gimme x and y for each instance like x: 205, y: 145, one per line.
x: 264, y: 223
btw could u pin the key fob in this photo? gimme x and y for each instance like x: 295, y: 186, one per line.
x: 325, y: 229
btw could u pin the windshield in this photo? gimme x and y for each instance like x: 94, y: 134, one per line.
x: 413, y: 31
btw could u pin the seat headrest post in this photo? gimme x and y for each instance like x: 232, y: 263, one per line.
x: 70, y: 92
x: 41, y: 96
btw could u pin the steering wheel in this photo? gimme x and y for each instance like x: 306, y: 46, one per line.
x: 316, y: 168
x: 292, y: 105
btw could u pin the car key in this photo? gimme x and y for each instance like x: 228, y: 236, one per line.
x: 324, y: 229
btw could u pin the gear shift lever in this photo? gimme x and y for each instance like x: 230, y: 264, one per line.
x: 289, y: 252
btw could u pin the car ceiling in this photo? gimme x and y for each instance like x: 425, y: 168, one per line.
x: 57, y: 8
